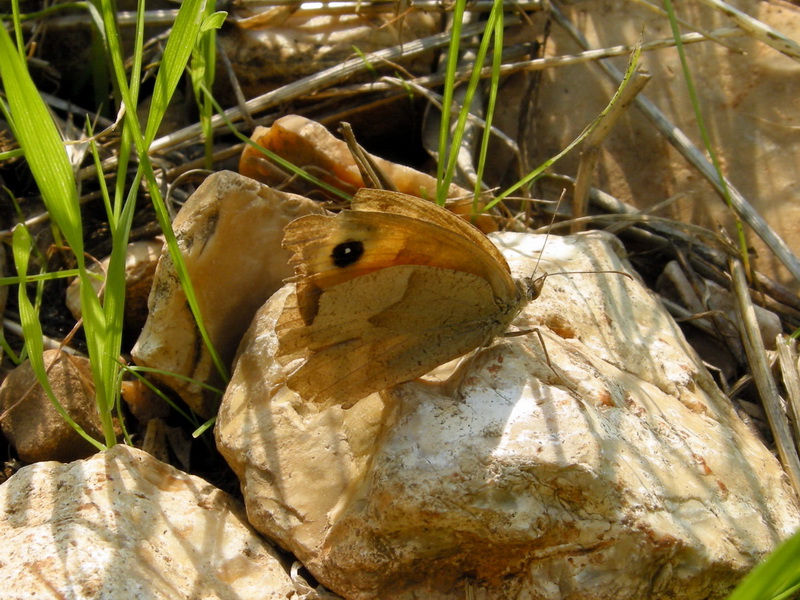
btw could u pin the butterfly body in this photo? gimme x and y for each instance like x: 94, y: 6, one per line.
x: 388, y: 291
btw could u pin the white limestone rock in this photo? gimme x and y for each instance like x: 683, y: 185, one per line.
x: 230, y: 233
x: 123, y: 525
x: 618, y: 470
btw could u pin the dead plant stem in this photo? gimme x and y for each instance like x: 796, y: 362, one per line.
x: 762, y: 375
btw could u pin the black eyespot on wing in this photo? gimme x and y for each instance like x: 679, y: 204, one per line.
x: 347, y: 253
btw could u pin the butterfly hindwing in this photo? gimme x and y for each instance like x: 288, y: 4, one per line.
x: 387, y: 327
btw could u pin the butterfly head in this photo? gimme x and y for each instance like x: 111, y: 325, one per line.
x: 531, y: 287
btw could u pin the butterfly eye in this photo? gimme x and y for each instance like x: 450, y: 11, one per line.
x: 347, y: 253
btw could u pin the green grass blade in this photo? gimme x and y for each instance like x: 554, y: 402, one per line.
x: 98, y: 164
x: 776, y: 577
x: 101, y: 77
x: 454, y: 144
x: 40, y: 14
x: 181, y: 41
x: 449, y: 145
x: 176, y: 54
x: 494, y: 24
x: 202, y: 74
x: 114, y: 301
x: 442, y: 182
x: 135, y: 76
x: 50, y: 276
x: 17, y: 21
x: 32, y: 329
x: 50, y: 166
x: 42, y: 145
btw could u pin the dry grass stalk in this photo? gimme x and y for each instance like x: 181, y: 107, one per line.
x: 762, y: 375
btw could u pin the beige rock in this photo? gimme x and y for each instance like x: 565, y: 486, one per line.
x: 124, y: 525
x: 230, y: 233
x: 609, y: 467
x: 308, y: 144
x: 142, y: 401
x: 31, y: 423
x: 748, y: 96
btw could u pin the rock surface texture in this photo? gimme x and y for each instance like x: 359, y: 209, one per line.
x: 609, y: 466
x: 123, y: 525
x: 230, y: 234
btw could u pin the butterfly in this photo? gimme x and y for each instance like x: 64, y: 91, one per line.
x: 387, y: 291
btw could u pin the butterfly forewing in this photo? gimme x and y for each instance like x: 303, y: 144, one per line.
x: 387, y: 292
x: 402, y: 204
x: 331, y: 250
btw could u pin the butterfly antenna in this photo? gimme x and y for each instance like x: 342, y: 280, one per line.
x: 535, y: 284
